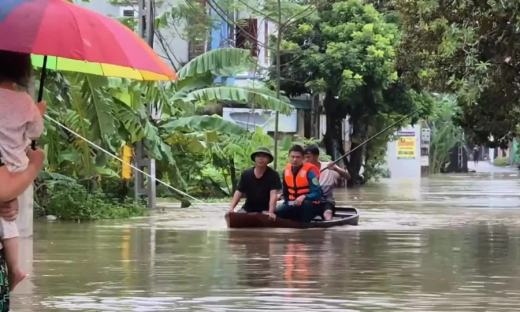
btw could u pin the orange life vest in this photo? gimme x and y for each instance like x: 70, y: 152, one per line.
x: 299, y: 185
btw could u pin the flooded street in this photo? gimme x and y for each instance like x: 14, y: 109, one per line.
x: 445, y: 243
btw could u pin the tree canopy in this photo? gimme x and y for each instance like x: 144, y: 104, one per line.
x: 471, y: 48
x: 348, y: 51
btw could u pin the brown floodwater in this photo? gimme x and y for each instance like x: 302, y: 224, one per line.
x: 445, y: 243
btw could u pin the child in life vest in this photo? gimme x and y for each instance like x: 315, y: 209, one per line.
x: 20, y: 122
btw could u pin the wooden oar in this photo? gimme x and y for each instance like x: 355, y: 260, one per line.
x: 375, y: 135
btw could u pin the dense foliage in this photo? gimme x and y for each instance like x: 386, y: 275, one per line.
x: 470, y: 48
x: 371, y: 60
x: 348, y: 53
x: 195, y: 153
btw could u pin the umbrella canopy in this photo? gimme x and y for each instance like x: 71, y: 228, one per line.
x: 76, y: 39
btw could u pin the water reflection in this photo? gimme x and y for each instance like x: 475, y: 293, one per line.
x: 254, y: 257
x: 429, y: 251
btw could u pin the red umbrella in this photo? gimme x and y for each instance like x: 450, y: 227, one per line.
x: 56, y: 28
x: 71, y: 38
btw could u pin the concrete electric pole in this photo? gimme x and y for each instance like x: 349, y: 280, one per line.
x: 146, y: 31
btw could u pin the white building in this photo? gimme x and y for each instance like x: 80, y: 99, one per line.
x: 172, y: 37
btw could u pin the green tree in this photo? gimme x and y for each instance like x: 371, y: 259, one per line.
x: 470, y: 48
x: 348, y: 52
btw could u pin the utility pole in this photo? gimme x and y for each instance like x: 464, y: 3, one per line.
x: 278, y: 74
x: 146, y: 31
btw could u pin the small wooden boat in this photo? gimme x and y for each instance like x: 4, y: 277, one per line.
x: 343, y: 216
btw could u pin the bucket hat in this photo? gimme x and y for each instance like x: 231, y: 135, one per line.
x: 262, y: 150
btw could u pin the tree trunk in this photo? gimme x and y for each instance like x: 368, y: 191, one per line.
x: 354, y: 165
x: 333, y: 139
x: 358, y: 156
x: 334, y: 144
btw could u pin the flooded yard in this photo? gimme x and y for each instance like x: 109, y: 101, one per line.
x: 445, y: 243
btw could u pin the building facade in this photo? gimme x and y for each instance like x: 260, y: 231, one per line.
x: 170, y: 45
x: 248, y: 31
x: 244, y: 30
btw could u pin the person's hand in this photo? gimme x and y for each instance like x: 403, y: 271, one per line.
x: 231, y: 209
x: 298, y: 201
x: 280, y: 197
x: 332, y: 166
x: 36, y: 157
x: 272, y: 216
x: 42, y: 107
x: 9, y: 210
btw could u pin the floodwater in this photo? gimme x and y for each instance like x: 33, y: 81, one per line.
x: 445, y: 243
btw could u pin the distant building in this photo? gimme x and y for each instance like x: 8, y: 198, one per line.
x: 248, y: 31
x: 129, y: 8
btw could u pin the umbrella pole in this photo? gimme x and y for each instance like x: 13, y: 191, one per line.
x: 40, y: 91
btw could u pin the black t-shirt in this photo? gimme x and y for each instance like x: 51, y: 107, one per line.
x: 257, y: 190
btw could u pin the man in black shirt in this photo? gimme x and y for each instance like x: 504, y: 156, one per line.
x: 260, y: 185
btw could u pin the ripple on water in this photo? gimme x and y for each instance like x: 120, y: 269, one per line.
x: 447, y: 243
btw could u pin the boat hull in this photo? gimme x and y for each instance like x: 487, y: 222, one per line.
x: 343, y: 216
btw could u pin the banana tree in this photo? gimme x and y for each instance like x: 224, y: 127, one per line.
x: 112, y: 113
x: 197, y: 84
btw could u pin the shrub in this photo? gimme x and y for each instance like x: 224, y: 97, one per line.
x: 501, y: 162
x: 72, y: 201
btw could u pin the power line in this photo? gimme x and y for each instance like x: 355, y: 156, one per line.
x: 214, y: 6
x: 153, y: 179
x: 290, y: 19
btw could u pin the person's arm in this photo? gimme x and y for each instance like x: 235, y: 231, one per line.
x: 285, y: 192
x: 14, y: 184
x: 238, y: 193
x: 9, y: 210
x: 273, y: 198
x: 315, y: 192
x: 236, y: 198
x: 276, y: 185
x: 343, y: 173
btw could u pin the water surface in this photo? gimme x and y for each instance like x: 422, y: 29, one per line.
x: 448, y: 243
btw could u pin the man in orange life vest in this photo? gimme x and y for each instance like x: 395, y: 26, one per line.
x: 301, y: 189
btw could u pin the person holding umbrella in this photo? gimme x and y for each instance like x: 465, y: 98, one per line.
x: 14, y: 184
x: 62, y: 36
x: 11, y: 186
x: 20, y: 122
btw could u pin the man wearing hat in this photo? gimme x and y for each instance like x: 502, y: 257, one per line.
x: 260, y: 185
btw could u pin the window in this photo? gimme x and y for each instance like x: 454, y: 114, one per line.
x: 128, y: 11
x: 246, y: 35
